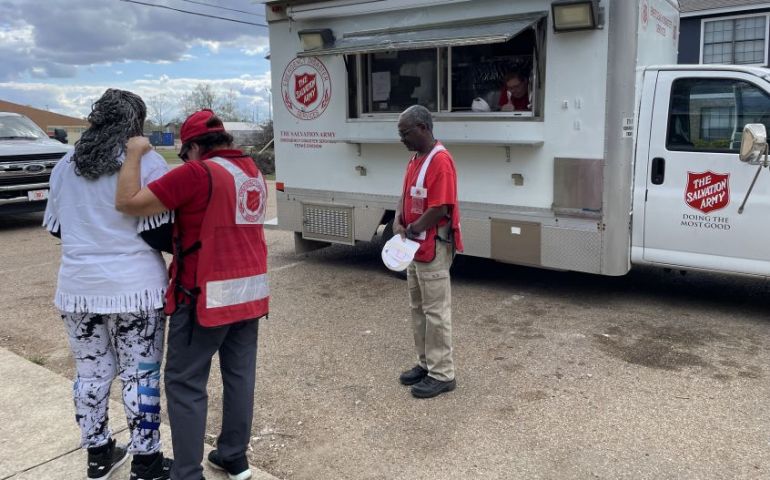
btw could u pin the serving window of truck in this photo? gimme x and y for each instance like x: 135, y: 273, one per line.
x: 450, y: 68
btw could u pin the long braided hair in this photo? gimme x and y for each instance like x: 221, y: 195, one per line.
x: 115, y: 117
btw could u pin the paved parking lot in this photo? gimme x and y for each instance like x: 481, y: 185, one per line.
x: 560, y: 375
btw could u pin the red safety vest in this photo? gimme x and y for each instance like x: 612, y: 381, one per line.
x: 231, y: 276
x: 414, y: 204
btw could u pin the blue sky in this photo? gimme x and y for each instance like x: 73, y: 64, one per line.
x: 62, y: 55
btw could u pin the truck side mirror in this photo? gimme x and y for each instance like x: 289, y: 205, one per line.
x: 753, y: 144
x: 60, y: 134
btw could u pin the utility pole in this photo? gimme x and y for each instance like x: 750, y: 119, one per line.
x: 269, y: 103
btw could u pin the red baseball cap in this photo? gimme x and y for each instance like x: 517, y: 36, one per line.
x: 199, y: 123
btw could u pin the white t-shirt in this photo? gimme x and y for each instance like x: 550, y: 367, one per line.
x: 106, y: 267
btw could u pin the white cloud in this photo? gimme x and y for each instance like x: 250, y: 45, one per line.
x: 212, y: 46
x: 106, y: 32
x: 76, y: 100
x: 19, y: 37
x: 69, y: 100
x: 48, y: 41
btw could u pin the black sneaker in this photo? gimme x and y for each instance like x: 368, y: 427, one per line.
x: 158, y: 469
x: 412, y: 376
x: 429, y: 387
x: 104, y: 460
x: 237, y: 469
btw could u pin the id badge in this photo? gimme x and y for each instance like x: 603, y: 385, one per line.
x: 418, y: 200
x: 418, y: 206
x: 418, y: 192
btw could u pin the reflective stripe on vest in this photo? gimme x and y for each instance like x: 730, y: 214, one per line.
x: 248, y: 191
x: 223, y: 293
x: 419, y: 187
x: 421, y: 177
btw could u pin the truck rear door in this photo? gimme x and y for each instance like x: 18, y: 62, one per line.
x: 695, y: 182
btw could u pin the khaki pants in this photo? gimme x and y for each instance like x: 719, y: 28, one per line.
x: 430, y: 299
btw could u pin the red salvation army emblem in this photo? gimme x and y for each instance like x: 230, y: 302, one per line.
x: 306, y: 88
x: 252, y: 200
x: 707, y: 191
x: 250, y: 204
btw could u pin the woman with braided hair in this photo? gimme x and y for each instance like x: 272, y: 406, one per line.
x: 110, y: 289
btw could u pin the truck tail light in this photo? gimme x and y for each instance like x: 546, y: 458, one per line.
x: 279, y: 186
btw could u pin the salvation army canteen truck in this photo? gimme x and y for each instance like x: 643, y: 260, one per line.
x: 610, y: 155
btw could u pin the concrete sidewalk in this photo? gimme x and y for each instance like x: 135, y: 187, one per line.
x: 38, y: 429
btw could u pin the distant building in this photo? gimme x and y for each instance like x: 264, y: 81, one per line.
x: 244, y: 133
x: 48, y: 121
x: 724, y: 31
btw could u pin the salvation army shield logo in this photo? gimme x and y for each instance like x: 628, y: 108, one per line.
x: 645, y: 14
x: 707, y: 191
x: 306, y: 88
x: 252, y: 200
x: 251, y: 207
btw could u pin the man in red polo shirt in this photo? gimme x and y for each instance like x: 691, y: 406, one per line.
x: 429, y: 214
x: 218, y: 286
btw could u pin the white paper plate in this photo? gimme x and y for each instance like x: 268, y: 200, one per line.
x: 398, y: 253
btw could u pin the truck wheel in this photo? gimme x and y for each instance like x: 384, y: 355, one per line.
x: 387, y: 233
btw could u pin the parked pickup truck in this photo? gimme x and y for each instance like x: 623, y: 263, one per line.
x: 27, y: 157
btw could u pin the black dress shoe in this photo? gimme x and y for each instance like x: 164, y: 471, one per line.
x: 429, y: 387
x: 412, y: 376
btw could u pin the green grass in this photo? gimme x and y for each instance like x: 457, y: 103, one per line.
x: 170, y: 155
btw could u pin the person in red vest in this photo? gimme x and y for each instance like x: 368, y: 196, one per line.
x: 218, y: 288
x: 514, y: 95
x: 428, y: 213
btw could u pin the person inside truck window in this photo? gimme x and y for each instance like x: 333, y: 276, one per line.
x: 110, y: 289
x: 514, y: 93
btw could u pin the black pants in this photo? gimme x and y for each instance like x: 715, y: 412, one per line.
x: 188, y: 362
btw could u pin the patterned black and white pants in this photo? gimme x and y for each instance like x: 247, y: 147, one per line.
x: 128, y: 345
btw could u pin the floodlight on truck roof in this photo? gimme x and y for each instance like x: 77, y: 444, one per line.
x: 316, y: 38
x: 570, y: 15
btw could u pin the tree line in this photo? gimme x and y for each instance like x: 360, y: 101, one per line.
x: 162, y: 110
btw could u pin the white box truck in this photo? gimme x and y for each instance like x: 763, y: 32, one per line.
x: 620, y: 157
